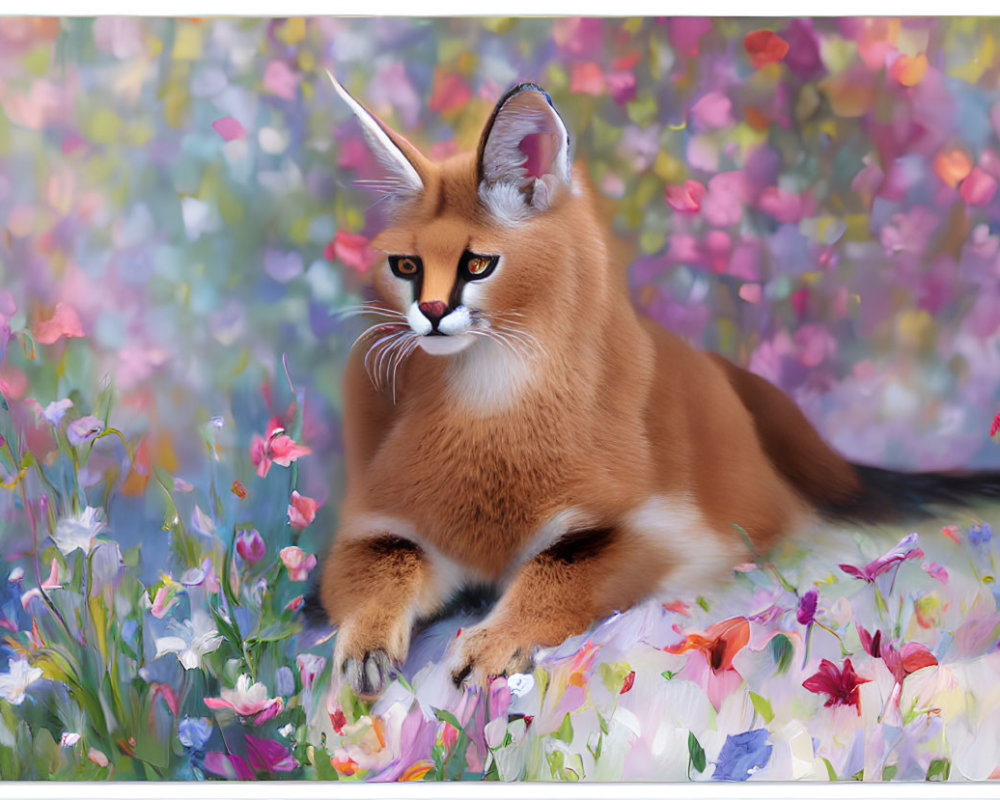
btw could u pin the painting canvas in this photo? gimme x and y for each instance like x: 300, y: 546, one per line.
x: 186, y: 249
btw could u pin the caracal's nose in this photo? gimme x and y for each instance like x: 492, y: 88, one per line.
x: 433, y: 310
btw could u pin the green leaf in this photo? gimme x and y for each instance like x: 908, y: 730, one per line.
x: 829, y: 769
x: 762, y: 706
x: 565, y: 732
x: 697, y: 752
x: 889, y: 772
x: 446, y: 716
x: 939, y: 770
x: 702, y: 602
x: 859, y: 775
x: 613, y: 675
x: 668, y: 674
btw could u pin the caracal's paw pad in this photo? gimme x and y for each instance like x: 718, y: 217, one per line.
x: 484, y: 653
x: 370, y: 674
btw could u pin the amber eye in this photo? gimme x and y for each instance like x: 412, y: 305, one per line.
x: 405, y: 266
x: 478, y: 265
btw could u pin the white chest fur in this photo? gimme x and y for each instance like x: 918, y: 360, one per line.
x: 490, y: 377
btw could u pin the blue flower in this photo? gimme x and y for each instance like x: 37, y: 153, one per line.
x: 194, y: 733
x: 981, y: 534
x: 742, y: 754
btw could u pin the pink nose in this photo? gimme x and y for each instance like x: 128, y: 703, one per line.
x: 433, y: 310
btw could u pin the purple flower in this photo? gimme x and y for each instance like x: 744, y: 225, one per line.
x: 232, y: 767
x: 250, y: 545
x: 83, y: 430
x: 981, y: 533
x: 906, y: 549
x: 742, y: 755
x: 807, y: 607
x: 194, y: 733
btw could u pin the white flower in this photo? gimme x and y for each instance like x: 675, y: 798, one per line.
x: 19, y: 676
x: 287, y: 730
x: 520, y: 684
x: 78, y: 532
x: 197, y: 637
x: 69, y: 739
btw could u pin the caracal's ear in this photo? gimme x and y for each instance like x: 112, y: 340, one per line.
x: 524, y: 156
x: 404, y: 163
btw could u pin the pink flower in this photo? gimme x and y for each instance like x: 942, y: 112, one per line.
x: 301, y: 511
x: 298, y: 562
x: 353, y: 250
x: 686, y: 198
x: 840, y: 686
x: 935, y: 570
x: 165, y: 599
x: 713, y: 110
x: 906, y: 549
x: 97, y: 757
x: 719, y: 645
x: 250, y: 545
x: 229, y: 129
x: 278, y: 448
x: 64, y: 322
x: 995, y: 428
x: 978, y: 188
x: 450, y: 92
x: 587, y: 78
x: 248, y: 700
x: 724, y: 201
x: 786, y: 206
x: 279, y: 79
x: 685, y: 33
x: 310, y: 666
x: 52, y: 582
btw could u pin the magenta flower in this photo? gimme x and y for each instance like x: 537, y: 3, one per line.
x: 269, y: 756
x: 248, y: 700
x: 807, y: 607
x: 277, y: 448
x: 995, y: 428
x: 840, y: 686
x: 301, y: 511
x: 906, y: 549
x: 298, y: 562
x: 250, y: 545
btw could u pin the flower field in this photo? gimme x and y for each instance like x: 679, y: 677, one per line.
x: 182, y: 242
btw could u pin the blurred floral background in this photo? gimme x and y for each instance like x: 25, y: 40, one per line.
x: 816, y: 199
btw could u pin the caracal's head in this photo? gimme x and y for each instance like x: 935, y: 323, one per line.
x: 482, y: 250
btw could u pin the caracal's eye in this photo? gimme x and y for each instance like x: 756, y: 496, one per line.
x: 405, y: 266
x: 478, y: 266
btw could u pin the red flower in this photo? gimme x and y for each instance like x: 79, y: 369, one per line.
x: 841, y: 686
x: 627, y: 685
x: 764, y: 47
x: 995, y: 429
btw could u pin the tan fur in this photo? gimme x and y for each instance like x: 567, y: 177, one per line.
x: 614, y: 414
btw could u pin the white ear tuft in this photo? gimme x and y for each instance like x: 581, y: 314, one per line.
x: 404, y: 178
x: 524, y: 155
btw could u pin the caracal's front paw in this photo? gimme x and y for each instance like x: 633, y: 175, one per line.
x: 369, y: 650
x: 484, y: 652
x: 369, y: 674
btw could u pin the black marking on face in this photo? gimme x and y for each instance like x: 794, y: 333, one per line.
x: 578, y: 546
x: 471, y: 267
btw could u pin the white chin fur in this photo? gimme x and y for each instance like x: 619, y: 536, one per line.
x: 445, y: 345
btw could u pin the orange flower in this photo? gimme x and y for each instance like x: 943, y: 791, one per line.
x: 719, y: 643
x: 416, y: 772
x: 581, y: 662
